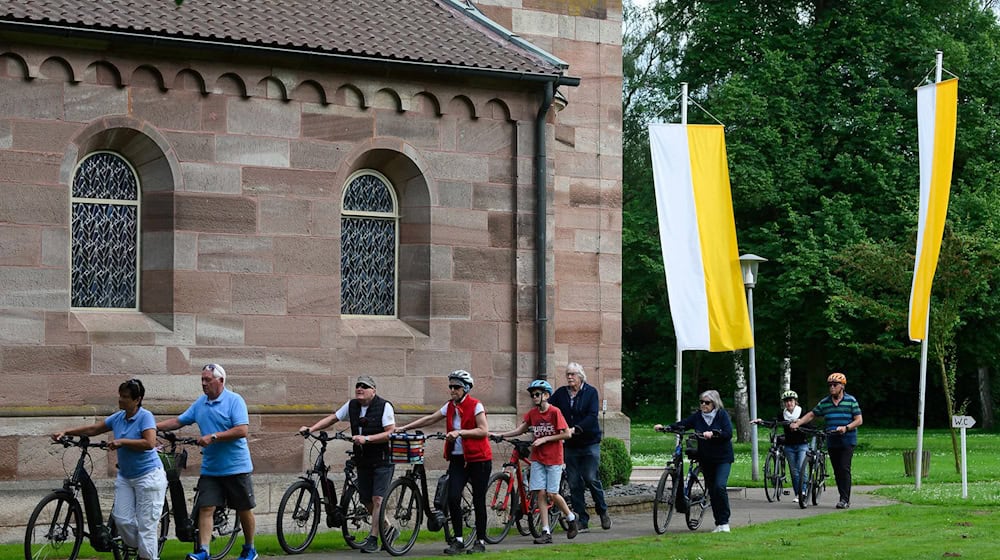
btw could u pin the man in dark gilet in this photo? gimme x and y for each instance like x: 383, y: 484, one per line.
x: 372, y: 420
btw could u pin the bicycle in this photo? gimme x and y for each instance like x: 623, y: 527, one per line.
x: 814, y: 468
x: 55, y: 527
x: 669, y: 496
x: 407, y: 500
x: 299, y: 510
x: 774, y: 465
x: 696, y: 490
x: 225, y: 520
x: 509, y: 500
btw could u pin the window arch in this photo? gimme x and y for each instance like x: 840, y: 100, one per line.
x: 369, y: 245
x: 104, y: 212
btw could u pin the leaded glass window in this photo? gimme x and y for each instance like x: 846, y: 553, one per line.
x: 105, y: 230
x: 368, y: 246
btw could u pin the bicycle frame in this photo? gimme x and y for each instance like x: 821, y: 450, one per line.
x: 518, y: 479
x: 81, y: 484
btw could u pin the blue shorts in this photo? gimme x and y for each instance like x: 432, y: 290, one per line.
x: 545, y: 477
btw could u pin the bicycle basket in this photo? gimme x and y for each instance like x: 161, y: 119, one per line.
x: 691, y: 448
x: 407, y: 448
x: 173, y: 462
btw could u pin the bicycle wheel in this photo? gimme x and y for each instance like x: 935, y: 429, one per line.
x: 468, y: 519
x: 819, y: 483
x: 698, y: 500
x: 55, y: 529
x: 771, y: 482
x: 225, y: 527
x: 533, y: 519
x: 402, y: 516
x: 298, y: 517
x: 122, y: 551
x: 357, y: 519
x: 499, y: 508
x: 568, y: 498
x: 663, y: 502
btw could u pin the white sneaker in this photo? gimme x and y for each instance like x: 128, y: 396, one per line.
x: 795, y: 500
x: 721, y: 529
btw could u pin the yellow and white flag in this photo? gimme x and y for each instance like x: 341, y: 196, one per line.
x: 698, y: 237
x: 937, y: 109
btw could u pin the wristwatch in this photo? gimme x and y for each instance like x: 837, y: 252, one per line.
x: 215, y: 437
x: 366, y: 439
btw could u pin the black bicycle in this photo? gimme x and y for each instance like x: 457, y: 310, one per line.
x: 696, y: 490
x: 55, y: 528
x: 670, y: 493
x: 814, y: 468
x: 299, y: 510
x: 407, y: 500
x: 775, y: 475
x: 225, y: 520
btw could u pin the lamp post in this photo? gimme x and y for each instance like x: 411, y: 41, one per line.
x: 748, y: 264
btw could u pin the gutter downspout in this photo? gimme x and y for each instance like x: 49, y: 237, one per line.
x: 541, y: 225
x: 541, y: 237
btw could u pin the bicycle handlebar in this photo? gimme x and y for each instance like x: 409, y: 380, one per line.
x: 79, y: 441
x: 773, y: 423
x: 670, y: 429
x: 324, y: 436
x: 817, y: 431
x: 172, y: 437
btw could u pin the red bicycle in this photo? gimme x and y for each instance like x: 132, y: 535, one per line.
x: 509, y: 500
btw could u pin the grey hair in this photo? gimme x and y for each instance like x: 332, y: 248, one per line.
x: 576, y: 368
x: 218, y: 371
x: 713, y: 395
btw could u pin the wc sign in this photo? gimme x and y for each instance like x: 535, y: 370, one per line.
x: 963, y: 422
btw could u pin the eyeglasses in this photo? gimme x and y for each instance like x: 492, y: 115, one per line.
x: 456, y: 387
x: 536, y: 394
x: 707, y: 402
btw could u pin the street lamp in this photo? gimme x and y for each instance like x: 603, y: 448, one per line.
x: 748, y: 264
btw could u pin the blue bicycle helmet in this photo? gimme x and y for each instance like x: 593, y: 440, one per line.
x: 540, y: 384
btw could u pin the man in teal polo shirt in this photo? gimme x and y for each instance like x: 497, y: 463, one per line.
x: 843, y: 416
x: 224, y: 422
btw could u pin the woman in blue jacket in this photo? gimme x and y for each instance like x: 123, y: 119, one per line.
x: 715, y: 452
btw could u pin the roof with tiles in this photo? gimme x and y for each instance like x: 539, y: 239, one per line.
x: 436, y: 32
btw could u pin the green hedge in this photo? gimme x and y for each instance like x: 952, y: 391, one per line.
x: 616, y: 463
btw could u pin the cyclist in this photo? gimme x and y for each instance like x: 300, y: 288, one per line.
x: 715, y: 452
x: 550, y: 429
x: 795, y: 442
x: 842, y: 414
x: 468, y: 453
x: 226, y: 468
x: 141, y: 483
x: 372, y: 421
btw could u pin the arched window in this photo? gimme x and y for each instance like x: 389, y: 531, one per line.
x: 105, y: 230
x: 369, y: 242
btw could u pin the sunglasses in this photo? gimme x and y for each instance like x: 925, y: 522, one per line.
x: 456, y: 387
x: 707, y: 402
x: 362, y: 386
x: 833, y: 383
x: 536, y: 394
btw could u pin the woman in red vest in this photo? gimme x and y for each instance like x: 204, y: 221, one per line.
x: 468, y: 452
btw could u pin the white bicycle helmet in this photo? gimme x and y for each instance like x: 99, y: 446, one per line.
x: 463, y: 377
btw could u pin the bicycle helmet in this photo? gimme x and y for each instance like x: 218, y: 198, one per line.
x: 540, y: 384
x: 837, y: 378
x: 463, y: 377
x: 789, y: 395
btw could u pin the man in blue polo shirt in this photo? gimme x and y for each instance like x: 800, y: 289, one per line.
x: 223, y: 421
x: 843, y: 414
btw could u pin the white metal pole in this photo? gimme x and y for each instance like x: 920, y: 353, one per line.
x: 918, y: 468
x: 755, y: 467
x: 677, y: 388
x: 680, y: 353
x: 684, y: 102
x: 965, y: 471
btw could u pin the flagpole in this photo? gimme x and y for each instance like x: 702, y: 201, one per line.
x: 680, y: 353
x: 918, y: 467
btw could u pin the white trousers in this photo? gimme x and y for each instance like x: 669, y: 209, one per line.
x: 138, y: 503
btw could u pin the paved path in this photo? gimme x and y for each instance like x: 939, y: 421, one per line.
x: 748, y: 507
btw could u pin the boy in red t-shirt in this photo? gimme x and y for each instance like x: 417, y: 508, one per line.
x: 550, y: 428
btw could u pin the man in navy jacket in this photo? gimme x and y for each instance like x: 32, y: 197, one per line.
x: 578, y: 403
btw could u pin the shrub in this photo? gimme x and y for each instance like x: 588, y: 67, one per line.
x: 616, y: 463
